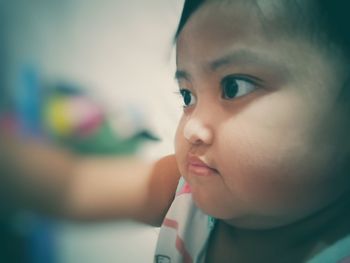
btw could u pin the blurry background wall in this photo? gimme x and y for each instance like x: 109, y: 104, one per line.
x: 122, y: 52
x: 120, y: 49
x: 2, y: 54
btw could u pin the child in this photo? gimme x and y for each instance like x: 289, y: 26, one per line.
x: 261, y: 146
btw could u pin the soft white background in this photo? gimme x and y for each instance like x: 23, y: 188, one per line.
x: 122, y: 52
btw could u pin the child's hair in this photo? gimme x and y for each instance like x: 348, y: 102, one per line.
x: 329, y: 18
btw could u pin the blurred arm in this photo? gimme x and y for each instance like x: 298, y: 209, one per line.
x: 52, y: 180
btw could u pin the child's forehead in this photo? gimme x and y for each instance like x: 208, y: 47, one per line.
x: 282, y: 14
x: 267, y: 7
x: 219, y: 25
x: 239, y: 19
x: 255, y: 21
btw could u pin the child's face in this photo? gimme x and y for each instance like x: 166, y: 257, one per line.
x: 267, y: 146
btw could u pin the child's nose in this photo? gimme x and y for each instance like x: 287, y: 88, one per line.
x: 197, y: 132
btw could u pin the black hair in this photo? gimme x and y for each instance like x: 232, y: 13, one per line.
x: 335, y: 20
x: 189, y: 7
x: 331, y: 17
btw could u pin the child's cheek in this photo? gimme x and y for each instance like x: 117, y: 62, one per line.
x: 284, y: 194
x: 272, y: 179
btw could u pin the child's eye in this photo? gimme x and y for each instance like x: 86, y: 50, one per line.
x: 236, y: 86
x: 188, y: 98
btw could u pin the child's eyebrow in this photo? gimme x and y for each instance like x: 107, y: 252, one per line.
x: 243, y: 57
x: 181, y: 74
x: 246, y: 57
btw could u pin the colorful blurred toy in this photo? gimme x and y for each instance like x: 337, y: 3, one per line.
x: 72, y: 118
x: 67, y: 115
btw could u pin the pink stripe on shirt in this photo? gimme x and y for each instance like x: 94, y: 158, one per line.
x: 179, y: 243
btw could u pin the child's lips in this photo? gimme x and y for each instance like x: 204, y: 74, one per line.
x: 198, y: 167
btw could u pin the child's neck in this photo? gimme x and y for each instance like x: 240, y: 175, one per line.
x: 296, y: 242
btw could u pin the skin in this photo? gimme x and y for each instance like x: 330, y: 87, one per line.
x: 273, y: 149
